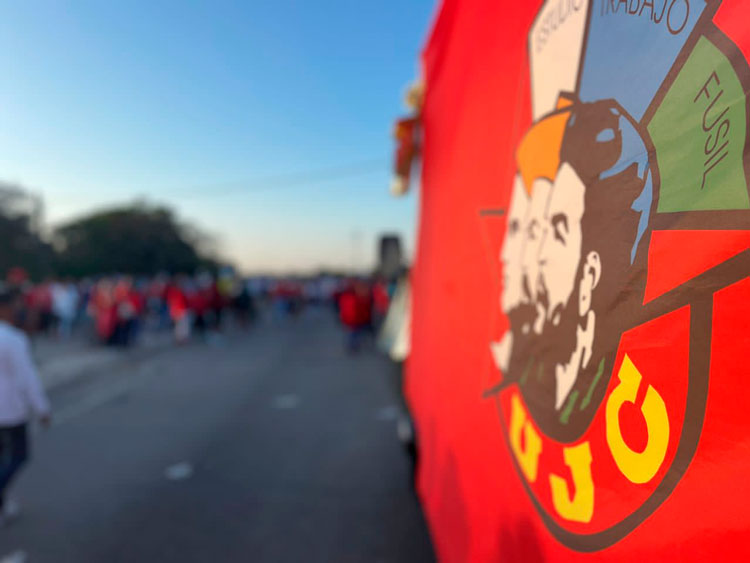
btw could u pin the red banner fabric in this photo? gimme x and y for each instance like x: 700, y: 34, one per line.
x: 581, y: 289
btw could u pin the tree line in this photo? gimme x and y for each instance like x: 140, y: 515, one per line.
x: 138, y: 238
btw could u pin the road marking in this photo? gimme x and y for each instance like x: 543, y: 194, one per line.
x: 102, y: 395
x: 405, y: 431
x: 18, y: 556
x: 388, y: 413
x: 179, y: 471
x: 289, y: 401
x: 92, y: 401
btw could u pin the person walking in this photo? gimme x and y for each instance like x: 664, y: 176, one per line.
x: 21, y: 396
x: 64, y: 306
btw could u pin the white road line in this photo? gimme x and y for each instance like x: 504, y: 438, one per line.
x: 179, y: 471
x: 388, y: 413
x: 289, y: 401
x: 99, y: 397
x: 18, y: 556
x: 91, y: 402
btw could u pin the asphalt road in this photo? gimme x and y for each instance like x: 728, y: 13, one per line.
x: 272, y: 446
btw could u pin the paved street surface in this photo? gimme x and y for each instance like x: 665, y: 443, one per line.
x: 269, y: 446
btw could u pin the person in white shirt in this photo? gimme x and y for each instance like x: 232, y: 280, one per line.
x: 64, y: 306
x: 21, y: 397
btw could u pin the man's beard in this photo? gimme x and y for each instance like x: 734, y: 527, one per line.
x: 521, y: 318
x: 558, y: 341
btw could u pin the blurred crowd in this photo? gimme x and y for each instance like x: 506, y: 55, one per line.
x: 115, y: 309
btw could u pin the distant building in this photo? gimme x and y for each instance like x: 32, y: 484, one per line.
x: 390, y: 256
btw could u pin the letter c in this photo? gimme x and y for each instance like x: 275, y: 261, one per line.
x: 638, y: 467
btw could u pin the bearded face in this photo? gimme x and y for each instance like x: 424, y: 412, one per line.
x: 565, y: 283
x: 530, y: 266
x: 579, y: 241
x: 560, y: 252
x: 511, y: 252
x: 559, y: 338
x: 551, y: 255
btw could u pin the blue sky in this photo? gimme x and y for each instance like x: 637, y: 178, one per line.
x: 201, y: 104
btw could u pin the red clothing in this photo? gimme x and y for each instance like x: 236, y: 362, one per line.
x: 348, y: 309
x: 138, y: 302
x: 40, y: 298
x: 177, y: 302
x: 355, y: 308
x: 199, y: 301
x: 104, y: 311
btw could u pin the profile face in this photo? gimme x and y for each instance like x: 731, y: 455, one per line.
x: 511, y: 252
x: 560, y: 251
x: 561, y: 337
x: 535, y: 230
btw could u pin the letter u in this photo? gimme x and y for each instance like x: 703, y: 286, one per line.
x: 528, y: 454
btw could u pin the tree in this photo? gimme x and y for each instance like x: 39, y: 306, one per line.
x: 136, y: 239
x: 21, y: 232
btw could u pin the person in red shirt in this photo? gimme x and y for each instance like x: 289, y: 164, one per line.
x: 178, y: 311
x: 355, y: 313
x: 102, y: 309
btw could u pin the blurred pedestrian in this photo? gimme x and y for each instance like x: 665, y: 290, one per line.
x: 355, y: 313
x: 102, y: 310
x: 39, y: 302
x: 199, y: 299
x: 244, y: 306
x: 178, y: 309
x: 64, y: 306
x: 128, y: 307
x: 21, y: 396
x: 380, y: 302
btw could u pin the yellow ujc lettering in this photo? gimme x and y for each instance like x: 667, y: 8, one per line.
x: 638, y: 467
x: 578, y: 507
